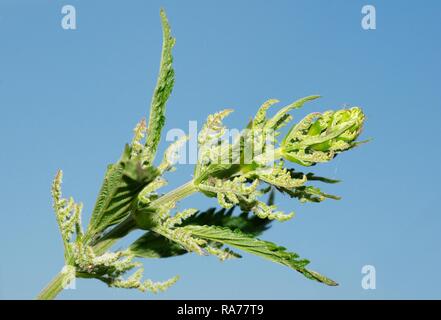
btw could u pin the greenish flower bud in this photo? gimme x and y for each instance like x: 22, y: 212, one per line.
x: 319, y: 137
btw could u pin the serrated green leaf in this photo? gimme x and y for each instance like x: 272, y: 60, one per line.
x: 122, y: 183
x: 246, y: 222
x: 162, y: 91
x: 264, y: 249
x: 153, y: 245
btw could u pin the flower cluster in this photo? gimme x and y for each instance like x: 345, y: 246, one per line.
x: 82, y: 261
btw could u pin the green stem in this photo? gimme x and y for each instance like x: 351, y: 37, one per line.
x: 54, y: 287
x: 175, y: 195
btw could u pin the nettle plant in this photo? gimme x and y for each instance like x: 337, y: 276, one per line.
x: 239, y: 174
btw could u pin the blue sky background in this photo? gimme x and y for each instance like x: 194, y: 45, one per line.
x: 69, y: 99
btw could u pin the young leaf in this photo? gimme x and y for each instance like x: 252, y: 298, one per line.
x: 280, y: 117
x: 260, y: 117
x: 162, y: 91
x: 319, y: 137
x: 308, y: 194
x: 264, y: 249
x: 311, y: 177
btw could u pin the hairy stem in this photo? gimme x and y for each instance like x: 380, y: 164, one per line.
x: 54, y: 287
x: 177, y: 194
